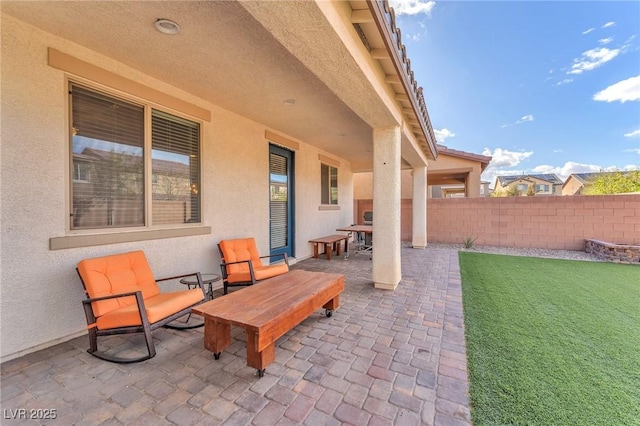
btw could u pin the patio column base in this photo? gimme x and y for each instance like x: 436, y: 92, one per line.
x: 385, y: 286
x: 420, y: 247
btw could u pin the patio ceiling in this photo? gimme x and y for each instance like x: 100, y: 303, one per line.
x: 229, y: 53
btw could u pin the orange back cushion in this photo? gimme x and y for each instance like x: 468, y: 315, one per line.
x: 238, y: 250
x: 117, y: 274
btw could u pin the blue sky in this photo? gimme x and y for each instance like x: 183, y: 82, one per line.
x: 543, y: 87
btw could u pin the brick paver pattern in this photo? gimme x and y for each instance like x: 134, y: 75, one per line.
x: 383, y: 358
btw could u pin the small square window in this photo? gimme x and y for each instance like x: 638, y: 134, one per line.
x: 329, y: 185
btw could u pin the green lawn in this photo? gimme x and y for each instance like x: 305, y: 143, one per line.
x: 551, y: 342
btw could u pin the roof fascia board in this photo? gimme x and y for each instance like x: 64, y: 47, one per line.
x: 380, y: 11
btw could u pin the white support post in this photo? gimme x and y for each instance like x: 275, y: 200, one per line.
x: 419, y: 207
x: 387, y: 271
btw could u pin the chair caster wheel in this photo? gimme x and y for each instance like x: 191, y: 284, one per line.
x: 261, y: 373
x: 216, y: 355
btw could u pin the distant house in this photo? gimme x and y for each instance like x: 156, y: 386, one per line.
x: 542, y: 184
x: 576, y: 183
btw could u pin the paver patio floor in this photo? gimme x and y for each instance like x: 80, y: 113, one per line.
x: 384, y: 357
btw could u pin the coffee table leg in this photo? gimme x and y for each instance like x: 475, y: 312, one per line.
x: 259, y: 359
x: 332, y: 304
x: 217, y: 336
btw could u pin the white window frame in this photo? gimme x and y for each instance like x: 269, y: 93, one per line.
x: 79, y: 170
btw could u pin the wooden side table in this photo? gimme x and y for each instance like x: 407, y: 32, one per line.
x: 330, y: 243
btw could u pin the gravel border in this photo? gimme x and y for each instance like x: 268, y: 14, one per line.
x: 529, y: 252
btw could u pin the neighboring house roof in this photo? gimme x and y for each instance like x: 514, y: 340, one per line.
x: 548, y: 177
x: 484, y: 160
x: 587, y: 178
x: 582, y: 177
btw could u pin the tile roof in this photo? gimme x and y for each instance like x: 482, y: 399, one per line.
x: 483, y: 159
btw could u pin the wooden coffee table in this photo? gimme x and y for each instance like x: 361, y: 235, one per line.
x: 267, y: 310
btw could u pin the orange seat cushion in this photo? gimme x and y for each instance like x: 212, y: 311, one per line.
x: 158, y: 307
x: 239, y: 250
x: 261, y: 273
x: 117, y: 274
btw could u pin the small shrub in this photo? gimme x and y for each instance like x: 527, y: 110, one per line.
x: 468, y: 242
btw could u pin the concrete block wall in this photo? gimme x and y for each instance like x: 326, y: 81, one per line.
x: 540, y: 222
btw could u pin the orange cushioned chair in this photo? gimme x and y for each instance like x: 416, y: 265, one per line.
x: 242, y: 265
x: 123, y: 297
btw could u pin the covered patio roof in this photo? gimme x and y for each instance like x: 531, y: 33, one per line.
x: 293, y: 66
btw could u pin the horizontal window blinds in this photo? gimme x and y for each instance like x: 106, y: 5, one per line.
x: 278, y: 201
x: 107, y: 161
x: 175, y: 169
x: 101, y: 117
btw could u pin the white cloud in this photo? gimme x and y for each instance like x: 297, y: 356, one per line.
x: 412, y: 7
x: 592, y: 59
x: 565, y: 81
x: 443, y: 134
x: 558, y: 150
x: 625, y: 90
x: 505, y: 158
x: 609, y: 24
x: 632, y: 134
x: 562, y: 172
x: 588, y: 31
x: 605, y: 40
x: 524, y: 119
x: 570, y: 167
x: 636, y: 150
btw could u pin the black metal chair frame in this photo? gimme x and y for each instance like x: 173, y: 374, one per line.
x: 146, y: 327
x: 223, y: 268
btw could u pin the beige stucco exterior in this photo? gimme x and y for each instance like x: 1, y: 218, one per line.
x: 40, y: 291
x: 344, y: 97
x: 451, y: 168
x: 572, y: 186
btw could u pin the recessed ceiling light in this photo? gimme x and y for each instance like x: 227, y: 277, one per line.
x: 289, y: 102
x: 167, y: 26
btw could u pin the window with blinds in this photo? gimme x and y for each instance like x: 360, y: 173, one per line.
x: 175, y: 164
x: 329, y: 184
x: 109, y: 154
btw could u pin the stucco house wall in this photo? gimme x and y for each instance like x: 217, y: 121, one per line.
x: 40, y: 293
x: 445, y: 164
